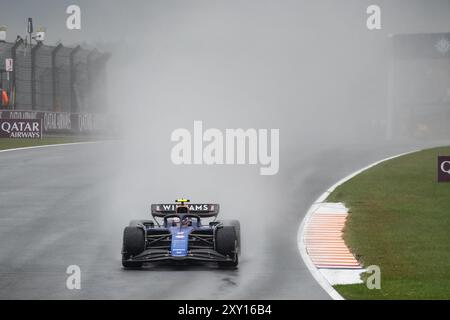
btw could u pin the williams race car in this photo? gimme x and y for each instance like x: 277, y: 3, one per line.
x: 178, y: 232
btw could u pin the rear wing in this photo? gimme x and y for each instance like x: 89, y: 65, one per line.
x: 202, y: 210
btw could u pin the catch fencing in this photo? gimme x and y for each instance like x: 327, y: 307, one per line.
x: 56, y: 80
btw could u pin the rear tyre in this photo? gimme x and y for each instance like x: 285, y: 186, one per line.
x: 140, y: 223
x: 135, y: 223
x: 133, y: 244
x: 227, y: 244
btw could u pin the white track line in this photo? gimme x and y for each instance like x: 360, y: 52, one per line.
x: 303, y: 226
x: 49, y: 145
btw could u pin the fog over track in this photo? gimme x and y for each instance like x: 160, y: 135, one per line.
x: 61, y: 205
x: 308, y: 68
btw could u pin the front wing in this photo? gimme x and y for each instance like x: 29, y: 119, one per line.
x: 205, y: 255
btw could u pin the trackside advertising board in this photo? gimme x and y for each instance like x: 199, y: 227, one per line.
x: 21, y: 128
x: 63, y: 122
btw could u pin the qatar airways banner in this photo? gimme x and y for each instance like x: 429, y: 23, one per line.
x: 62, y: 122
x: 21, y: 128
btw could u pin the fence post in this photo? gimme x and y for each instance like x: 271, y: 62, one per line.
x: 13, y: 73
x: 55, y: 76
x: 104, y: 94
x: 73, y: 98
x: 90, y: 86
x: 33, y: 74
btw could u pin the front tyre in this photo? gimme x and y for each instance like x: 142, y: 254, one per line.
x: 133, y: 244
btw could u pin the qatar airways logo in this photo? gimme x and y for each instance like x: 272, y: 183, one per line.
x: 21, y: 128
x: 234, y: 146
x: 443, y: 168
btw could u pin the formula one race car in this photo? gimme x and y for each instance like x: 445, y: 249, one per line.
x: 178, y: 233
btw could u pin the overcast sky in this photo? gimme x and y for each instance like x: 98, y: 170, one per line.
x: 137, y: 19
x: 309, y: 68
x: 288, y: 58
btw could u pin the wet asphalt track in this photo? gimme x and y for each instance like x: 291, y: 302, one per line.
x: 55, y: 210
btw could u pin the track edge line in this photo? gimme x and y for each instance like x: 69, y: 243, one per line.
x: 302, y: 228
x: 50, y: 145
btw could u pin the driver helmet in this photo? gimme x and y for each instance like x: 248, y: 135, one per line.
x: 187, y: 221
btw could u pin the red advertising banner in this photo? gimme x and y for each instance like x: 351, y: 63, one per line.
x: 21, y: 128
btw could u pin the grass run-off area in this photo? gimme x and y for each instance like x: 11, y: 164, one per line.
x: 400, y: 220
x: 21, y: 143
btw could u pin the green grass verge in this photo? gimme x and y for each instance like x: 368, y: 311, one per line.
x: 20, y: 143
x: 400, y: 220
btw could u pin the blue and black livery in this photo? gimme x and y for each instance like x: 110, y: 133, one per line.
x: 178, y: 233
